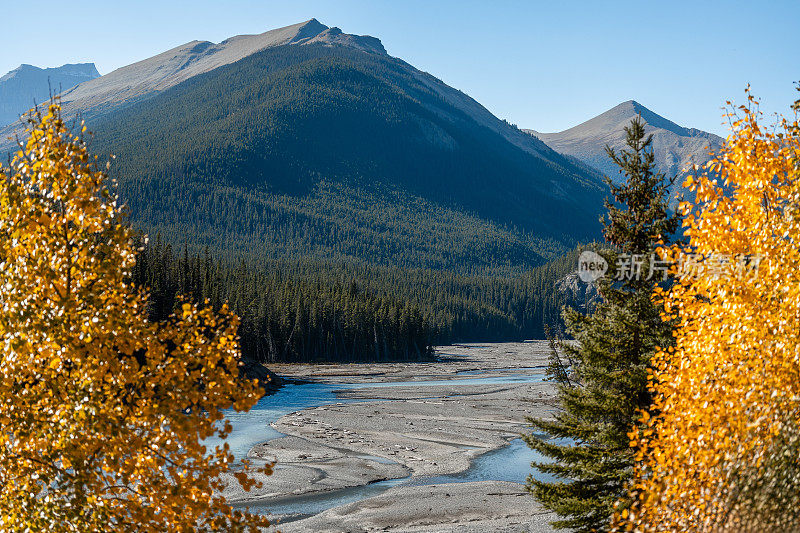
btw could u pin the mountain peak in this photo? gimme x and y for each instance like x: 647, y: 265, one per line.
x: 27, y: 85
x: 309, y: 32
x: 313, y: 25
x: 84, y: 89
x: 313, y: 31
x: 676, y: 147
x: 629, y: 109
x: 79, y: 70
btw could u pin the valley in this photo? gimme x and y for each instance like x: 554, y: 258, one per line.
x: 372, y: 244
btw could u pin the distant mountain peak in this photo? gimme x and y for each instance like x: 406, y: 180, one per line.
x: 80, y: 70
x: 676, y: 147
x: 631, y: 108
x: 27, y: 85
x: 622, y: 114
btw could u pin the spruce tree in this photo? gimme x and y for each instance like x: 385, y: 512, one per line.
x: 602, y: 392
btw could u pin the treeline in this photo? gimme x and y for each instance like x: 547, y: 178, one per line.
x: 285, y: 316
x: 312, y: 311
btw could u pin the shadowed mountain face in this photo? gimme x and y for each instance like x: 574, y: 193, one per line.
x: 309, y: 142
x: 675, y: 147
x: 27, y: 85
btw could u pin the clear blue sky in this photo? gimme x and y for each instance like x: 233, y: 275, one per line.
x: 546, y: 65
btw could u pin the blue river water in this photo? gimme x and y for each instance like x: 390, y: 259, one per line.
x: 511, y: 463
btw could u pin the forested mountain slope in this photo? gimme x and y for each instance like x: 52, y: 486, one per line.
x: 336, y: 152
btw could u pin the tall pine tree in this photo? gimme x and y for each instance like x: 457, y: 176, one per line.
x: 601, y: 394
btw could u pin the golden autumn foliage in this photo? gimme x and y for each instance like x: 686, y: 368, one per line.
x: 102, y: 414
x: 720, y: 449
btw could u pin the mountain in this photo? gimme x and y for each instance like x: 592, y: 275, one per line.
x: 306, y: 142
x: 27, y: 85
x: 675, y: 147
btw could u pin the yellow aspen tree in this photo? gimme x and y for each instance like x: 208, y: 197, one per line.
x: 102, y: 414
x: 720, y: 449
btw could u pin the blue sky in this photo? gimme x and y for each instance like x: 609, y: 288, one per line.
x: 546, y: 65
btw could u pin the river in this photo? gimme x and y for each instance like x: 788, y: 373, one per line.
x: 510, y: 463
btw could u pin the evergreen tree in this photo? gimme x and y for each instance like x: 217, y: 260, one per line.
x: 607, y: 383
